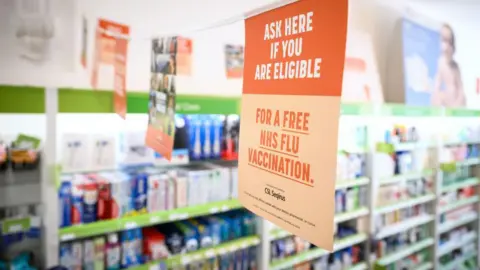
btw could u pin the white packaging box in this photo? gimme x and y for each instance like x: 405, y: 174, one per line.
x: 103, y: 152
x: 181, y: 190
x: 132, y: 149
x: 234, y: 183
x: 75, y: 152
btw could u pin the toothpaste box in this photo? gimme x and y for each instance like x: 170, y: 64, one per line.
x: 105, y: 210
x: 66, y: 255
x: 170, y: 193
x: 77, y: 256
x: 139, y: 183
x: 122, y: 201
x: 99, y: 245
x: 204, y: 234
x: 174, y: 238
x: 189, y: 234
x: 181, y: 189
x: 220, y: 183
x: 154, y: 193
x: 77, y: 201
x: 65, y: 202
x: 88, y: 255
x: 90, y: 201
x: 214, y: 227
x: 234, y: 183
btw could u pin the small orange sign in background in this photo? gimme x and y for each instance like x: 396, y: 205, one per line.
x: 234, y: 58
x: 294, y: 60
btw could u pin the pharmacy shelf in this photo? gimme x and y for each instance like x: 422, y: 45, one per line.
x: 278, y: 233
x: 398, y: 255
x: 454, y: 244
x: 452, y: 224
x: 184, y: 259
x: 404, y: 177
x: 404, y: 204
x: 458, y: 204
x: 403, y: 226
x: 103, y: 227
x: 362, y: 181
x: 317, y: 252
x: 461, y: 184
x: 457, y: 262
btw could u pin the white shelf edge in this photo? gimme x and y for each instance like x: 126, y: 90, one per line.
x: 403, y: 177
x: 403, y: 226
x: 404, y: 204
x: 362, y: 181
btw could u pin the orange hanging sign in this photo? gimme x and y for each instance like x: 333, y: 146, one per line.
x: 111, y: 48
x: 120, y: 93
x: 292, y: 86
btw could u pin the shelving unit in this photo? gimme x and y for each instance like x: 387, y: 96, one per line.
x: 367, y: 234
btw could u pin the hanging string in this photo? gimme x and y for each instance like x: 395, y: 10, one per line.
x: 225, y: 22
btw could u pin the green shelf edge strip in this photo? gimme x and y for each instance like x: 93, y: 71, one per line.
x: 462, y: 112
x: 107, y: 226
x: 30, y: 99
x: 15, y: 225
x: 315, y: 253
x: 27, y: 99
x: 201, y: 254
x: 406, y: 110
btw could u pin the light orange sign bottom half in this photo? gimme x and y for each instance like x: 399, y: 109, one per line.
x: 293, y: 187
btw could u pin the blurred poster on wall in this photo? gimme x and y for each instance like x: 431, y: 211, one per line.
x: 421, y: 51
x: 83, y: 54
x: 172, y: 55
x: 290, y: 112
x: 361, y: 80
x: 103, y: 63
x: 234, y: 61
x: 184, y: 56
x: 161, y: 105
x: 432, y: 73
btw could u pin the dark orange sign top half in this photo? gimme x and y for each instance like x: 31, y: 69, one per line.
x: 321, y: 42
